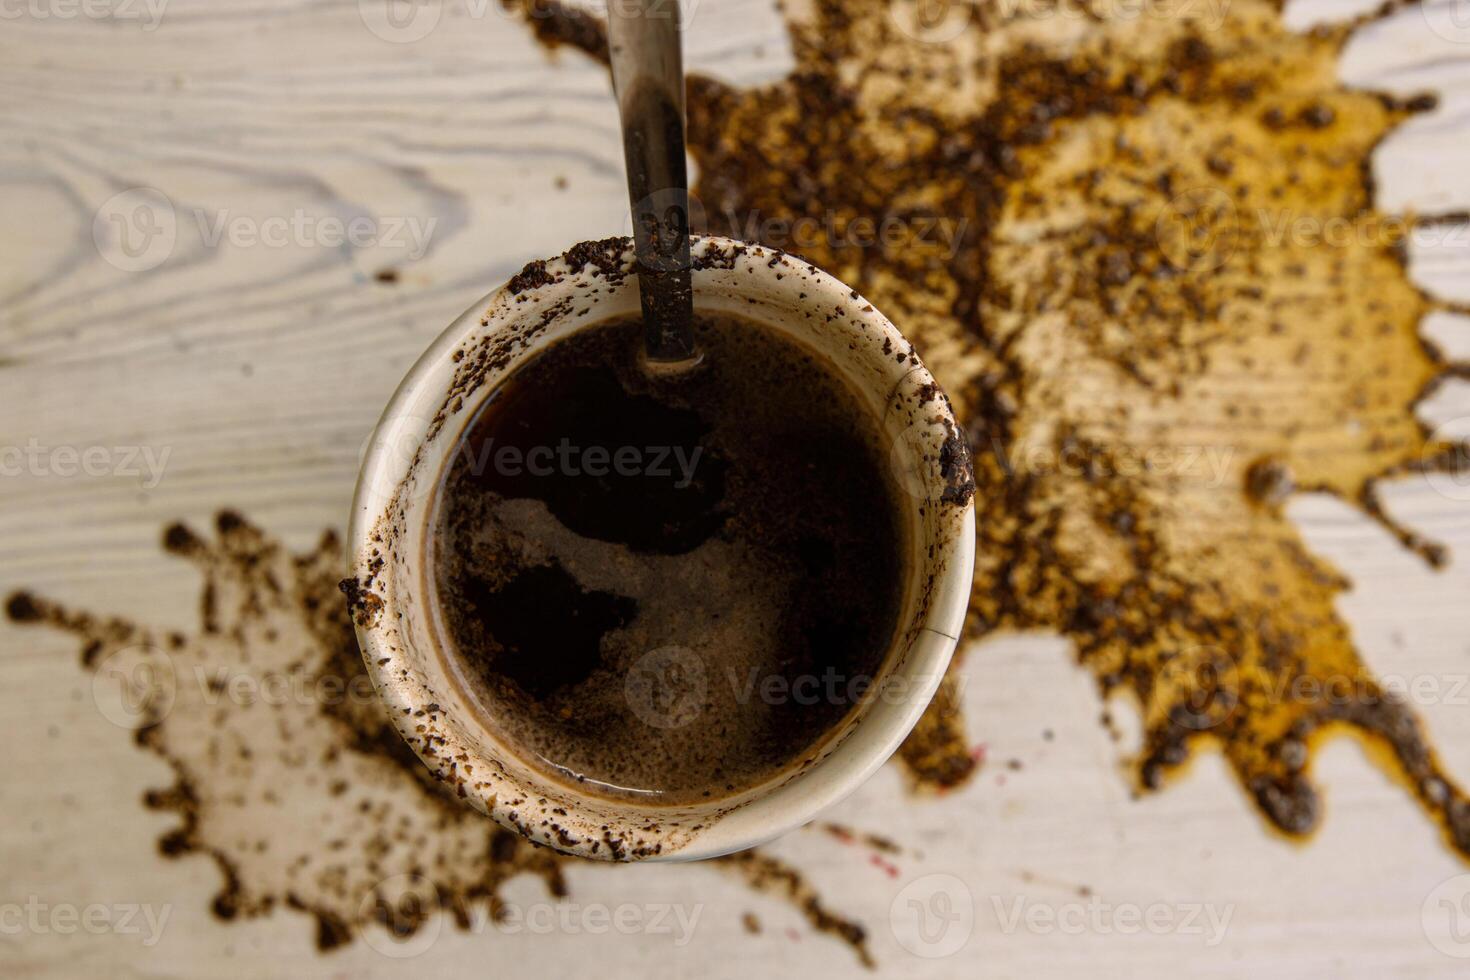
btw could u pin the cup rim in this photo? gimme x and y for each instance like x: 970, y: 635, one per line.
x: 730, y: 268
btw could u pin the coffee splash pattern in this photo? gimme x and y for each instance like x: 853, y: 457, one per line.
x: 288, y: 773
x: 1084, y: 210
x: 1084, y: 292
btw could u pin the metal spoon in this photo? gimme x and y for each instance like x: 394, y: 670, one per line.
x: 648, y: 77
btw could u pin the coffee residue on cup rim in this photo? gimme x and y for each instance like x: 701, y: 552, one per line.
x: 543, y: 293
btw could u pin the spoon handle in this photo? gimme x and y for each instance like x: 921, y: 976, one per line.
x: 648, y: 77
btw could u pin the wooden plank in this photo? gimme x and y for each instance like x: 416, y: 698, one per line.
x: 254, y: 372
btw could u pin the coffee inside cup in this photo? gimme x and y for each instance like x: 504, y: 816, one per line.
x: 668, y: 589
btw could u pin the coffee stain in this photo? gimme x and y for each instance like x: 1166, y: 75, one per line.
x: 288, y: 773
x: 936, y: 755
x: 861, y: 838
x: 1084, y: 292
x: 775, y: 877
x: 1096, y: 226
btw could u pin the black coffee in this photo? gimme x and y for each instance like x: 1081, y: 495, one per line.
x: 669, y: 589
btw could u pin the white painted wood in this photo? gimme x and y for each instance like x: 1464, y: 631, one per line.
x: 260, y: 370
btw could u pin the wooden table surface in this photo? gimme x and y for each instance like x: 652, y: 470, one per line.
x: 253, y: 367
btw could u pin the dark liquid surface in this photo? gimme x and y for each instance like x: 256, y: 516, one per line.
x: 669, y: 589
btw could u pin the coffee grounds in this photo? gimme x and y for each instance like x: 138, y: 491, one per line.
x: 977, y: 315
x: 288, y: 773
x: 767, y: 874
x: 1083, y: 262
x: 745, y: 552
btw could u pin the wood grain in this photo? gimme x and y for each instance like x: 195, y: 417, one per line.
x: 259, y: 370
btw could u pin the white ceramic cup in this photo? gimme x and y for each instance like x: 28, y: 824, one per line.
x: 389, y: 589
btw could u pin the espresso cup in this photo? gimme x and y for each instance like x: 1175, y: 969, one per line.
x: 391, y: 597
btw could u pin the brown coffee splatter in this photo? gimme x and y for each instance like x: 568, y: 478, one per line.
x: 936, y: 754
x: 767, y: 874
x: 849, y: 835
x: 1085, y: 241
x: 288, y: 773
